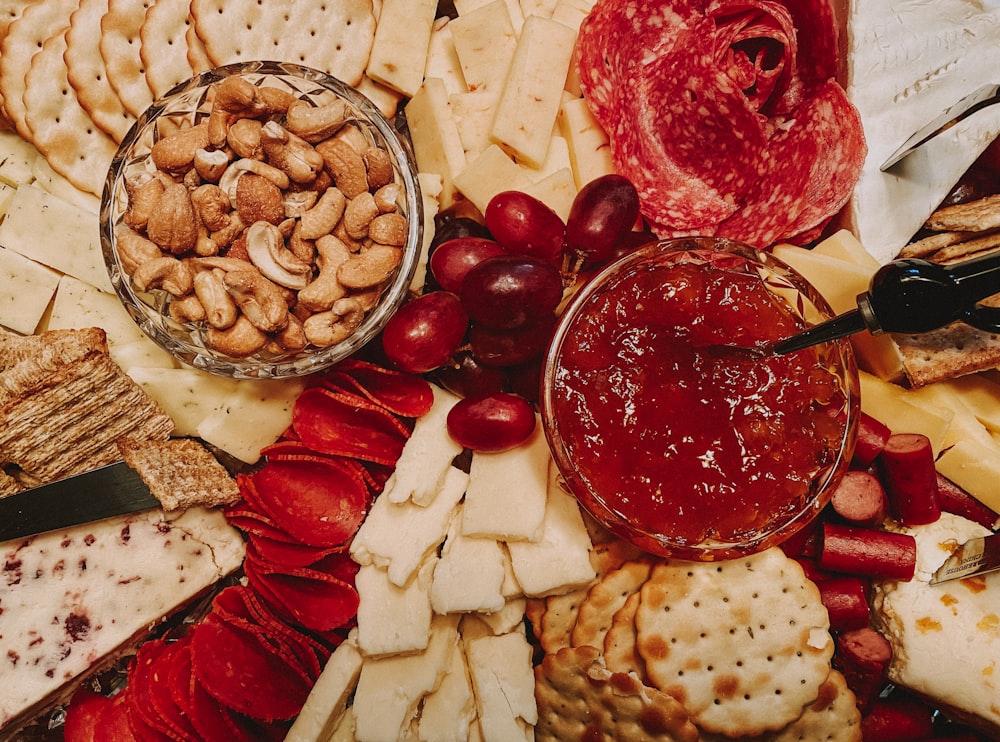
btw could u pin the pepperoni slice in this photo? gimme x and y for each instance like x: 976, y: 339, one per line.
x: 82, y: 715
x: 403, y: 394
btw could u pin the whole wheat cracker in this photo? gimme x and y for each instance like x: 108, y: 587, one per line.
x: 603, y: 600
x: 61, y: 130
x: 164, y: 45
x: 972, y: 216
x: 743, y: 644
x: 931, y: 243
x: 975, y: 247
x: 120, y: 49
x: 335, y: 38
x: 579, y: 699
x: 87, y: 73
x: 946, y: 353
x: 620, y: 654
x: 24, y: 37
x: 69, y: 344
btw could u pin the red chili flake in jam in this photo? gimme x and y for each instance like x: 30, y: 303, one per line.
x: 681, y: 437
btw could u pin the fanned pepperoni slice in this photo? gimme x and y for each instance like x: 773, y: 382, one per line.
x: 318, y: 502
x: 207, y: 714
x: 144, y: 713
x: 334, y: 423
x: 400, y: 393
x: 291, y: 554
x: 113, y: 723
x: 82, y: 715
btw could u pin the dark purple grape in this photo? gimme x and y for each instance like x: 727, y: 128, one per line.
x: 525, y: 225
x: 448, y: 227
x: 465, y: 376
x: 496, y: 422
x: 603, y: 212
x: 455, y: 258
x: 510, y: 291
x: 424, y: 333
x: 493, y: 347
x: 525, y: 380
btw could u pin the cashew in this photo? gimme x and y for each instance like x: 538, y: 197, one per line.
x: 134, y: 249
x: 316, y: 123
x: 323, y: 217
x: 187, y: 309
x: 334, y: 325
x: 389, y: 229
x: 173, y: 225
x: 244, y: 136
x: 261, y: 301
x: 379, y: 167
x: 239, y: 340
x: 258, y: 199
x: 220, y: 309
x: 175, y: 153
x: 298, y: 203
x: 292, y: 336
x: 300, y: 247
x: 267, y: 251
x: 345, y: 165
x: 142, y: 199
x: 359, y: 214
x: 212, y: 206
x: 232, y: 175
x: 218, y: 263
x: 370, y: 267
x: 326, y: 288
x: 233, y: 96
x: 291, y: 154
x: 210, y: 164
x: 170, y: 274
x: 225, y: 236
x: 387, y: 197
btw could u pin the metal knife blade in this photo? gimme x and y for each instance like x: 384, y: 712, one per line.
x: 101, y: 493
x: 985, y: 96
x: 976, y: 556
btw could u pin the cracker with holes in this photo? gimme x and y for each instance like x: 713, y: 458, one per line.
x: 744, y: 644
x: 120, y: 50
x: 604, y: 599
x: 832, y: 717
x: 620, y: 653
x: 169, y: 53
x: 333, y: 37
x: 579, y: 698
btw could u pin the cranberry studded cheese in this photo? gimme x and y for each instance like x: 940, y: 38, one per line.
x: 70, y: 599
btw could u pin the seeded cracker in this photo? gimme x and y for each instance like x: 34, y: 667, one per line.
x: 743, y: 644
x: 333, y: 37
x: 579, y: 699
x: 119, y: 48
x: 165, y: 49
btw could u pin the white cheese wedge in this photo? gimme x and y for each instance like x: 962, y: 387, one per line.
x: 559, y: 561
x: 982, y: 394
x: 72, y: 598
x: 908, y: 62
x: 427, y: 454
x: 484, y: 42
x: 501, y: 672
x: 16, y: 158
x: 437, y: 147
x: 507, y: 492
x: 26, y: 288
x: 532, y: 90
x: 945, y: 637
x: 392, y: 619
x: 55, y: 233
x: 390, y: 689
x: 325, y: 708
x: 78, y: 304
x: 399, y: 51
x: 964, y: 424
x: 469, y: 575
x: 902, y: 412
x: 447, y: 713
x: 399, y: 536
x: 442, y: 60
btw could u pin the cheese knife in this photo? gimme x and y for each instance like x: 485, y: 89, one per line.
x: 114, y: 489
x: 985, y: 96
x: 975, y: 557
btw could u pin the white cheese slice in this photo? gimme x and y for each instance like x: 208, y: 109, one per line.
x: 507, y: 618
x: 324, y: 710
x: 557, y: 190
x: 392, y: 619
x: 541, y: 8
x: 399, y: 51
x: 431, y: 187
x: 26, y: 288
x: 560, y: 560
x: 908, y: 62
x: 501, y: 672
x: 427, y: 454
x: 484, y: 42
x: 399, y: 536
x: 473, y: 115
x: 507, y: 491
x: 71, y: 598
x: 975, y: 467
x: 589, y: 146
x: 945, y: 637
x: 488, y: 174
x: 447, y: 713
x: 55, y: 233
x: 390, y: 688
x: 442, y: 60
x: 437, y: 147
x: 469, y: 575
x: 898, y: 408
x: 57, y: 185
x: 16, y: 158
x: 187, y: 395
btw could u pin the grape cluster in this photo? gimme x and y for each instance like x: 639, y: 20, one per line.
x: 489, y: 309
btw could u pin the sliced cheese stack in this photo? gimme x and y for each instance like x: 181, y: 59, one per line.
x: 440, y: 643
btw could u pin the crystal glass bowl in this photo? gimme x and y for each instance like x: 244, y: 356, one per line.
x: 192, y: 338
x: 667, y: 431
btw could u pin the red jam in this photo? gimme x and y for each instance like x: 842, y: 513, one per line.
x: 676, y: 437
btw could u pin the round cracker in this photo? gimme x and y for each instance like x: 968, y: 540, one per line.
x: 120, y: 50
x: 333, y: 37
x: 604, y: 599
x: 164, y: 46
x: 744, y: 644
x: 25, y: 36
x: 87, y: 73
x: 67, y: 137
x: 620, y: 654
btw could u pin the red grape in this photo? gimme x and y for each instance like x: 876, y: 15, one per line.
x: 526, y: 379
x: 467, y: 377
x: 493, y: 347
x: 525, y: 225
x: 453, y: 259
x: 496, y: 422
x: 603, y: 212
x: 424, y: 333
x: 508, y: 291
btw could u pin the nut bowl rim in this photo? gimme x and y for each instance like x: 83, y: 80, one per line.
x: 838, y: 356
x: 152, y: 319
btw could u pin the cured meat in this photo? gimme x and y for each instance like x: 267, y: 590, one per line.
x: 724, y: 114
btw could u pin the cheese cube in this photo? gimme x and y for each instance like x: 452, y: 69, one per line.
x: 393, y: 619
x: 16, y: 158
x: 485, y: 42
x: 469, y: 575
x: 26, y: 289
x: 437, y: 146
x: 588, y: 144
x: 55, y: 233
x: 501, y: 672
x: 507, y: 492
x: 399, y: 51
x: 532, y: 90
x: 442, y: 59
x: 489, y: 174
x: 327, y: 702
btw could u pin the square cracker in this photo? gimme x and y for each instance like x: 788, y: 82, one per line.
x: 333, y: 37
x: 946, y: 353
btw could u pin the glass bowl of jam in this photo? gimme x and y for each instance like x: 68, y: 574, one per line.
x: 671, y: 438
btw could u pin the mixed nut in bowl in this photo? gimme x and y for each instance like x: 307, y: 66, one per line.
x: 672, y: 437
x: 262, y: 220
